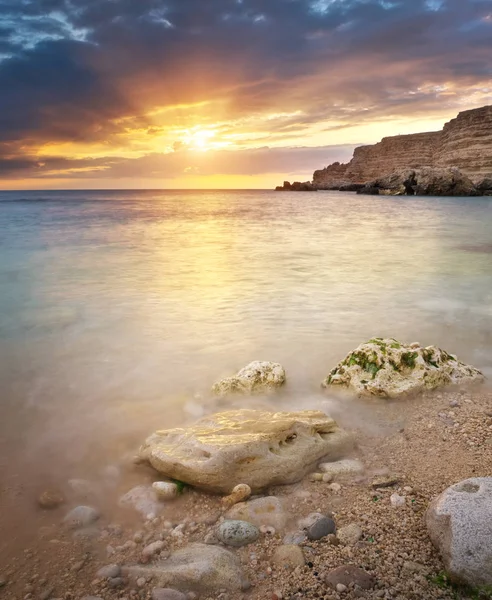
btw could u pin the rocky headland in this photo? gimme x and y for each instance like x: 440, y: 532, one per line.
x: 462, y: 149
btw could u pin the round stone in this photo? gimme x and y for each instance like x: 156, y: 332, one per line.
x: 108, y: 572
x: 321, y: 528
x: 237, y: 533
x: 81, y: 516
x: 50, y: 499
x: 289, y: 556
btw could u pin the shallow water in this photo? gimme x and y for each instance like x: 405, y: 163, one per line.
x: 117, y: 308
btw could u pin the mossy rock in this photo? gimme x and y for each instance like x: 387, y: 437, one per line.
x: 390, y: 369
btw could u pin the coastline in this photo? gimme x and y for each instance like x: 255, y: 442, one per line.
x: 426, y: 443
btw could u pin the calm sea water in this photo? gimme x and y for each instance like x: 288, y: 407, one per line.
x: 117, y: 308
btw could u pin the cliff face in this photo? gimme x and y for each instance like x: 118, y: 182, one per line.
x: 465, y: 143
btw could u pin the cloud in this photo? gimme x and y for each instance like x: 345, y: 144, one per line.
x: 118, y: 78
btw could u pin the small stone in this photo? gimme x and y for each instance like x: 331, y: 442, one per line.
x: 348, y: 575
x: 138, y: 537
x: 335, y: 487
x: 332, y: 540
x: 167, y: 594
x: 327, y: 478
x: 267, y: 530
x: 349, y: 534
x: 341, y: 588
x: 3, y: 582
x: 321, y: 528
x: 289, y: 556
x: 109, y: 571
x: 91, y: 598
x: 237, y: 533
x: 342, y: 467
x: 81, y: 516
x: 153, y: 548
x: 116, y: 582
x: 50, y: 499
x: 241, y: 492
x: 385, y: 481
x: 141, y: 581
x: 295, y: 537
x: 316, y: 476
x: 413, y: 567
x: 166, y: 490
x: 261, y: 511
x: 397, y: 501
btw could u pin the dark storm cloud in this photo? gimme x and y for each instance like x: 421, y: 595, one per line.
x: 70, y: 69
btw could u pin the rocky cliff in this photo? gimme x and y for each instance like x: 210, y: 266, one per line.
x: 465, y: 142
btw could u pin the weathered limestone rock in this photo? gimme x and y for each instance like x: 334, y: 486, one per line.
x: 254, y: 447
x: 459, y: 522
x: 464, y: 142
x: 256, y: 378
x: 297, y: 186
x: 198, y: 567
x: 389, y: 369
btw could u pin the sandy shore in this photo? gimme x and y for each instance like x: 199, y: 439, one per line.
x: 424, y: 445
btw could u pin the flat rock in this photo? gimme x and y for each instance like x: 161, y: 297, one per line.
x: 237, y: 533
x: 289, y: 556
x: 262, y: 512
x: 81, y: 516
x: 51, y: 499
x: 253, y: 447
x: 390, y: 369
x: 256, y: 378
x: 350, y: 574
x: 143, y: 499
x: 109, y: 571
x: 197, y: 567
x: 459, y: 522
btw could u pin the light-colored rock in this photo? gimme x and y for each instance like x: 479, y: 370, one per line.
x: 197, y: 567
x: 349, y: 534
x: 459, y: 522
x: 109, y: 571
x: 254, y: 447
x: 295, y: 537
x: 389, y: 369
x: 240, y: 493
x: 256, y: 378
x: 143, y: 499
x: 267, y: 511
x: 81, y: 516
x: 397, y: 501
x: 153, y: 548
x: 166, y: 490
x: 288, y: 556
x: 342, y: 467
x: 237, y: 533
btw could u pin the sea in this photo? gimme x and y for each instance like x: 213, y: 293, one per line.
x: 120, y: 309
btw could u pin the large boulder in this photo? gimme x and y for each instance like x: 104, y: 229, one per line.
x: 256, y: 378
x: 252, y: 447
x: 459, y: 522
x: 485, y: 185
x: 425, y: 181
x: 390, y: 369
x: 198, y: 567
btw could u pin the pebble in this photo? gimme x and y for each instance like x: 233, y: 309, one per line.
x: 91, y: 598
x: 109, y: 571
x: 116, y: 582
x: 237, y: 533
x: 295, y: 537
x: 81, y: 516
x: 50, y: 499
x: 289, y: 556
x: 47, y: 593
x: 385, y: 481
x: 349, y: 534
x: 167, y: 594
x: 342, y: 467
x: 327, y: 478
x: 3, y: 582
x: 335, y: 487
x: 152, y: 549
x: 350, y: 574
x: 321, y: 528
x: 341, y: 588
x: 397, y: 500
x: 165, y: 490
x: 141, y: 581
x: 267, y: 530
x: 240, y: 493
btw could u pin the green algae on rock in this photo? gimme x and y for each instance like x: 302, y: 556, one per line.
x: 256, y: 378
x: 390, y: 369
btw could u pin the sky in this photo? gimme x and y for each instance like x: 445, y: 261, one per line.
x: 225, y: 93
